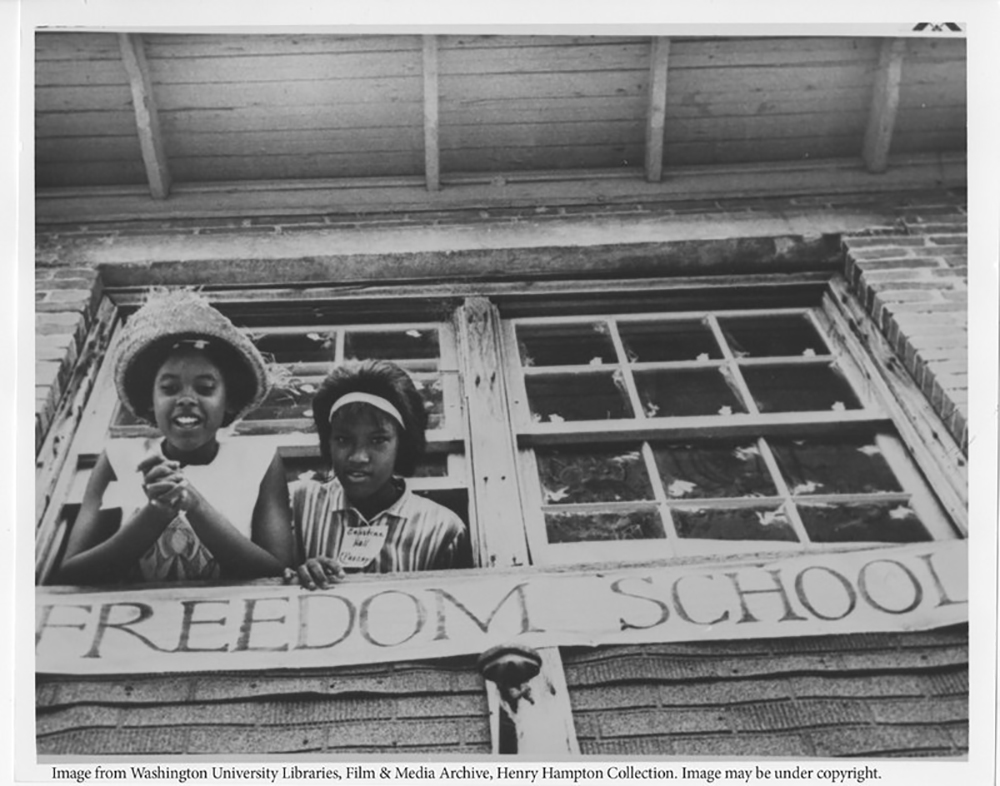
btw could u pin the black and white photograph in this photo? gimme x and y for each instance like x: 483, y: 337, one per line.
x: 538, y: 404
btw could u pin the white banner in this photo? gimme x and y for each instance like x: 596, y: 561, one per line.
x: 386, y: 618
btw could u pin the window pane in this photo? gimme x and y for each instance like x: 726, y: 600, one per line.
x: 627, y: 525
x: 565, y: 345
x: 288, y: 398
x: 433, y: 465
x: 834, y: 466
x: 430, y: 387
x: 688, y: 392
x: 778, y: 335
x: 668, y: 340
x: 398, y: 346
x: 609, y: 473
x: 554, y: 398
x: 799, y: 388
x: 313, y: 347
x: 713, y: 469
x: 733, y: 523
x: 890, y: 522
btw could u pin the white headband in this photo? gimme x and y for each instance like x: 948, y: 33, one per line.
x: 367, y: 398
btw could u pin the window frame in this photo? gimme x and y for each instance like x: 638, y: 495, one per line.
x: 879, y: 407
x: 502, y: 538
x: 97, y: 424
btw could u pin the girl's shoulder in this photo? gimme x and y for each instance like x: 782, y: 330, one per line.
x: 416, y: 505
x: 310, y: 488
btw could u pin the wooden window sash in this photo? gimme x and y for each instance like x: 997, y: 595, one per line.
x: 348, y: 327
x: 660, y: 495
x: 658, y: 316
x: 784, y: 493
x: 730, y: 364
x: 686, y: 365
x: 644, y: 429
x: 294, y: 429
x: 838, y: 360
x: 706, y: 426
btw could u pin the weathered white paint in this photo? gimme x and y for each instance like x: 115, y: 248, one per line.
x: 334, y: 242
x: 364, y: 620
x: 360, y: 196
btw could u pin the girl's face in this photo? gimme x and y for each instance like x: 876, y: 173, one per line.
x: 189, y: 400
x: 363, y: 451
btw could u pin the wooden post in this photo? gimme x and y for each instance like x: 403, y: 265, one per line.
x: 885, y: 102
x: 146, y: 118
x: 499, y: 538
x: 531, y: 688
x: 657, y: 108
x: 432, y: 155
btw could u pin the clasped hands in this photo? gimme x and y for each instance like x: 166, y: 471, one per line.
x: 165, y: 486
x: 169, y: 491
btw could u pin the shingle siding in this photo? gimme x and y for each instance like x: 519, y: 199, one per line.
x: 848, y: 695
x: 402, y: 707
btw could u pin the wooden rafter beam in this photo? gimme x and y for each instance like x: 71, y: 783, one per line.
x: 432, y: 152
x: 657, y: 108
x: 885, y: 103
x: 146, y: 117
x: 310, y: 197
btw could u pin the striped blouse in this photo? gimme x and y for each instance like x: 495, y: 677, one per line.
x: 422, y: 535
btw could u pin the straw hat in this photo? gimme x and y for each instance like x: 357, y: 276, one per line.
x: 170, y: 317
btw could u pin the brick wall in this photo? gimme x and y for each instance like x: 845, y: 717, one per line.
x: 66, y: 301
x: 912, y: 278
x: 908, y: 267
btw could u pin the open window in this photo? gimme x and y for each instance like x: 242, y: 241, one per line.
x: 621, y: 426
x: 300, y: 354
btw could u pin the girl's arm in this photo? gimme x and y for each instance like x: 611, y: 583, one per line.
x: 271, y: 525
x: 95, y: 552
x: 455, y: 552
x: 269, y: 551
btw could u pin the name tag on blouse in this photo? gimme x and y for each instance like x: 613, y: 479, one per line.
x: 361, y: 545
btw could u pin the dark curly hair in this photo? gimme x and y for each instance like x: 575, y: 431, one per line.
x: 241, y: 384
x: 378, y: 378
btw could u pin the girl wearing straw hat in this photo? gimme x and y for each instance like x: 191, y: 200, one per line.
x: 371, y: 422
x: 185, y: 505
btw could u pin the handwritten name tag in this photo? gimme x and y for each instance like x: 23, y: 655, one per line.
x: 361, y: 545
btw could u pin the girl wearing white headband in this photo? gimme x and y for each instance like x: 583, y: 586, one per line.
x: 371, y: 422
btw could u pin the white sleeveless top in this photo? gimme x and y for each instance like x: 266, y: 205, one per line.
x: 231, y: 483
